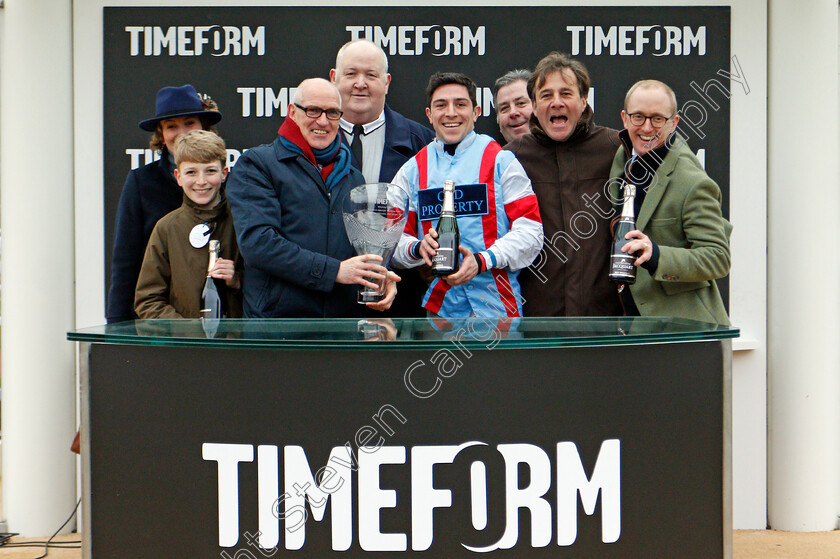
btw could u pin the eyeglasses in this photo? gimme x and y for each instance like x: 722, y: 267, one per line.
x: 316, y: 112
x: 657, y: 121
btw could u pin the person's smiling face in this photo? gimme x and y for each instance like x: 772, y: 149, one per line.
x: 452, y: 113
x: 649, y: 102
x: 513, y: 109
x: 172, y: 128
x: 201, y: 181
x: 317, y: 132
x: 362, y: 81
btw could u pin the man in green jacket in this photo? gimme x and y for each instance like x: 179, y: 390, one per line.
x: 682, y: 240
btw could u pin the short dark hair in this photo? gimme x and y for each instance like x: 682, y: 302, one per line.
x: 557, y: 62
x: 509, y: 78
x: 439, y: 79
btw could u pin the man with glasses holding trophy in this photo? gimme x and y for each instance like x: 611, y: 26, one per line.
x: 286, y: 200
x: 681, y: 239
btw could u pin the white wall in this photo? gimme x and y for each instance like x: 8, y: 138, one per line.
x: 804, y: 302
x: 38, y: 307
x: 748, y: 279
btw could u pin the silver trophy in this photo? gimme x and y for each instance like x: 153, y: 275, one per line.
x: 374, y: 217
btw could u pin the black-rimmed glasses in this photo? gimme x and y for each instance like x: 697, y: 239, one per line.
x: 316, y: 112
x: 657, y: 121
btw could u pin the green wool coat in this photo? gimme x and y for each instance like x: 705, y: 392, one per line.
x: 681, y: 213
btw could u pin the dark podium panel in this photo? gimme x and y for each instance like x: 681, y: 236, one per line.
x: 531, y: 438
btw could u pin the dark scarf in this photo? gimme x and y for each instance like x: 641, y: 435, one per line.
x: 641, y: 168
x: 582, y: 128
x: 333, y: 161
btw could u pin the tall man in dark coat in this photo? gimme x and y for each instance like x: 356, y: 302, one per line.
x: 286, y: 198
x: 380, y: 138
x: 568, y: 158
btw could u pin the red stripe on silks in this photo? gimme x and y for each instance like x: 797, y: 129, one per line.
x: 526, y: 207
x: 435, y: 301
x: 422, y: 159
x: 503, y: 325
x: 411, y: 224
x: 505, y: 292
x: 485, y: 175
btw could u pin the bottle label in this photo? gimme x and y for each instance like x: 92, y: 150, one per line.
x: 621, y: 267
x: 444, y: 262
x: 443, y: 256
x: 470, y: 199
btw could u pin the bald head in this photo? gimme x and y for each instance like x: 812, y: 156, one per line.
x: 314, y: 95
x: 646, y: 85
x: 361, y: 75
x: 314, y: 85
x: 362, y: 46
x: 650, y: 115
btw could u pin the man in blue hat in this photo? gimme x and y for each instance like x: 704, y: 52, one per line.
x: 150, y: 192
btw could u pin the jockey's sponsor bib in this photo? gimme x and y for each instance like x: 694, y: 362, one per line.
x: 470, y: 199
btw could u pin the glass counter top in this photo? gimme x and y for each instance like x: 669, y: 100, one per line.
x: 384, y: 333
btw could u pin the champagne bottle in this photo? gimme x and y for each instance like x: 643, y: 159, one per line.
x: 622, y: 269
x: 211, y: 303
x: 448, y: 257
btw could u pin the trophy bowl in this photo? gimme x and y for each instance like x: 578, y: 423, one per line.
x: 374, y: 218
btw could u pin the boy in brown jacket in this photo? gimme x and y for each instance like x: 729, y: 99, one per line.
x: 175, y: 264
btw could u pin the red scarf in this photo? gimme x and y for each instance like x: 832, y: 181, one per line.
x: 290, y: 131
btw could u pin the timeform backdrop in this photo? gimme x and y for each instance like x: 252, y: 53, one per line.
x: 249, y: 60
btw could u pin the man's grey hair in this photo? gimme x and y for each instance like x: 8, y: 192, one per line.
x: 353, y: 42
x: 509, y: 78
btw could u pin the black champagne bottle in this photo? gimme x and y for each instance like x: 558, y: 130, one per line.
x: 622, y: 269
x: 448, y: 257
x: 211, y: 303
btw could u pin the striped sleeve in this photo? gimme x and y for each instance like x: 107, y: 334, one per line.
x: 403, y: 256
x: 523, y: 242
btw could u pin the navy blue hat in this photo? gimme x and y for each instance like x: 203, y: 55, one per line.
x: 172, y: 102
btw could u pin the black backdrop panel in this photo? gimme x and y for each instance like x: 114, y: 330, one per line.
x: 153, y: 409
x: 285, y: 45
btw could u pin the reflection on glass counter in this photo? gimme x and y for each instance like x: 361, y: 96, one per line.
x: 374, y: 333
